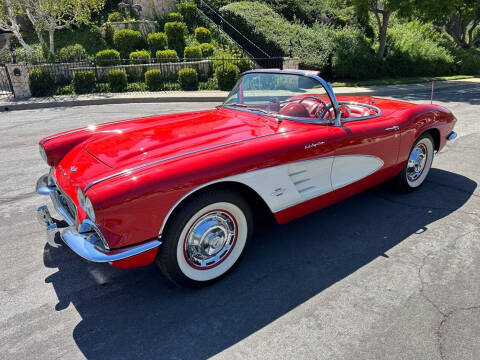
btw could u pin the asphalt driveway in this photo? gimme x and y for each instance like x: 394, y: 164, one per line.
x: 378, y: 276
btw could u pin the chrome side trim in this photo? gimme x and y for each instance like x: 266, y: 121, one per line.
x: 128, y: 171
x: 377, y: 109
x: 81, y: 245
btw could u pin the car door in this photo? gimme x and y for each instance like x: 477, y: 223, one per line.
x: 365, y: 147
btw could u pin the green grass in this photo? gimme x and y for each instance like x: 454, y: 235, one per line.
x: 400, y: 81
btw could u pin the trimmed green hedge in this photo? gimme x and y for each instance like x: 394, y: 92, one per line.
x: 154, y: 80
x: 173, y: 17
x: 188, y: 9
x: 108, y: 57
x: 314, y: 46
x: 117, y: 79
x: 207, y: 50
x: 83, y: 81
x: 127, y: 40
x: 42, y: 82
x: 156, y: 42
x: 203, y: 35
x: 72, y: 53
x: 140, y: 57
x: 193, y: 52
x: 164, y: 56
x: 188, y: 79
x: 227, y: 76
x: 176, y: 36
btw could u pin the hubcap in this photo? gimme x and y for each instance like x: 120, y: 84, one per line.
x: 416, y: 162
x: 210, y: 239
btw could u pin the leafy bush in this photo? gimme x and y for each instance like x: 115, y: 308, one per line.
x: 207, y: 50
x: 227, y: 76
x: 102, y: 88
x: 174, y: 17
x: 42, y: 82
x: 72, y: 53
x: 466, y: 62
x: 210, y: 84
x: 157, y: 41
x: 140, y: 57
x: 65, y: 90
x: 127, y: 40
x: 154, y: 79
x: 115, y: 17
x: 176, y: 35
x: 164, y: 56
x: 188, y: 79
x: 83, y: 81
x: 108, y: 57
x: 203, y: 35
x: 193, y: 52
x: 243, y: 65
x: 118, y: 80
x: 137, y: 87
x: 273, y: 33
x: 188, y: 9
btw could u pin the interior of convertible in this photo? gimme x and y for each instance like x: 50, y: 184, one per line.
x: 292, y: 96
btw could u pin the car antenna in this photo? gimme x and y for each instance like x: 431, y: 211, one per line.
x: 431, y: 95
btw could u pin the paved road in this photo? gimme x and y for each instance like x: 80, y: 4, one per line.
x: 378, y: 276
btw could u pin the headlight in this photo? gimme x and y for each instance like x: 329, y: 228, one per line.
x: 86, y: 204
x: 43, y: 154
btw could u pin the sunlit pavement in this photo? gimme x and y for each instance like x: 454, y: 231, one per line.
x: 378, y: 276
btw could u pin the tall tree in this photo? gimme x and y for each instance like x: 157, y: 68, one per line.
x: 9, y: 11
x: 383, y: 10
x: 52, y: 15
x: 460, y: 18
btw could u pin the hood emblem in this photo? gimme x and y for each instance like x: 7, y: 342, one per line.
x: 73, y: 169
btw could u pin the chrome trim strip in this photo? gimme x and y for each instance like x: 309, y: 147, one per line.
x: 377, y: 109
x: 43, y: 189
x: 81, y: 245
x: 128, y: 171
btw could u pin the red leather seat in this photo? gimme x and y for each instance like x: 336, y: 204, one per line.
x: 295, y: 109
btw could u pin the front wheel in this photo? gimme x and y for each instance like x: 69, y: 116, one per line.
x: 205, y: 239
x: 418, y: 166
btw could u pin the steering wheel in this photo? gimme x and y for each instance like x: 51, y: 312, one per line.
x: 344, y: 110
x: 320, y: 101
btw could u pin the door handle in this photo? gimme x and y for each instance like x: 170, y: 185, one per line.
x: 394, y: 128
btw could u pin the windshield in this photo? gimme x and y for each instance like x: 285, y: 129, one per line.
x: 282, y: 95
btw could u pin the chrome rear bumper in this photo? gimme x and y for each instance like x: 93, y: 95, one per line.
x: 86, y: 244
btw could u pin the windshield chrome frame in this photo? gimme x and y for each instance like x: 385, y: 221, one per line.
x: 326, y: 85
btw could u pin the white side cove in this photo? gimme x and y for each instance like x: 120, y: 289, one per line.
x: 287, y: 185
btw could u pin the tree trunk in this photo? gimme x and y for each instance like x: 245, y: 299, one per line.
x: 51, y: 32
x: 22, y: 42
x: 38, y: 30
x: 15, y: 28
x: 382, y: 33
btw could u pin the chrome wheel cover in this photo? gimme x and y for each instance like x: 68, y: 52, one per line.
x: 417, y: 161
x: 210, y: 239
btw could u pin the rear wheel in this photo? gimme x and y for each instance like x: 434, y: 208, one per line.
x: 205, y: 239
x: 418, y: 166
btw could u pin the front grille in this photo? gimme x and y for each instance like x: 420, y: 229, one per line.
x: 64, y: 205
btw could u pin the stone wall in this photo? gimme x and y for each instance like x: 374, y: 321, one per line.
x: 19, y: 77
x: 152, y: 9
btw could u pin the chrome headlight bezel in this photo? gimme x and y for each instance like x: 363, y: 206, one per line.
x: 43, y: 153
x: 86, y: 204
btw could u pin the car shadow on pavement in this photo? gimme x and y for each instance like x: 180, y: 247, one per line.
x: 136, y: 313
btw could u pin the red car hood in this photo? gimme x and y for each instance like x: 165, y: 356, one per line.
x: 169, y: 136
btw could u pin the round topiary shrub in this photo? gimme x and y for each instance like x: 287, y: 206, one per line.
x: 203, y: 35
x: 157, y: 41
x: 176, y: 35
x: 42, y: 82
x: 72, y: 53
x: 227, y: 76
x: 127, y: 40
x: 188, y: 79
x: 173, y: 17
x: 140, y: 57
x: 83, y: 81
x: 117, y: 79
x: 154, y: 79
x: 165, y: 56
x: 193, y: 52
x: 108, y: 57
x: 188, y: 9
x: 207, y: 50
x: 115, y: 17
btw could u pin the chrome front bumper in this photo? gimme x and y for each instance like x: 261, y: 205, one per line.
x: 86, y: 244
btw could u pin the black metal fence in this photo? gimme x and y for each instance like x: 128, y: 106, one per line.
x: 136, y: 70
x: 5, y: 83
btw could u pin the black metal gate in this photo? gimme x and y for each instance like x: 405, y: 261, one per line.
x: 6, y: 89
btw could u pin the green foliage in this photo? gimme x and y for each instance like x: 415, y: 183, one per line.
x: 140, y: 57
x: 193, y: 52
x: 126, y: 41
x: 203, y: 35
x: 157, y: 41
x: 86, y: 36
x: 411, y: 53
x: 115, y: 17
x: 176, y: 35
x: 42, y: 82
x: 137, y: 87
x: 164, y: 56
x: 188, y: 9
x: 171, y: 86
x: 102, y: 88
x: 117, y: 79
x: 83, y: 81
x: 273, y: 33
x: 210, y: 84
x: 72, y: 53
x: 188, y: 79
x: 174, y: 17
x: 154, y: 80
x: 207, y: 49
x: 65, y: 90
x: 227, y: 76
x: 108, y: 58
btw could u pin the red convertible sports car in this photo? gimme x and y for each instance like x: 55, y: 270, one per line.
x: 181, y: 190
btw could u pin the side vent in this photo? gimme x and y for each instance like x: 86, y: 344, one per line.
x: 311, y: 178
